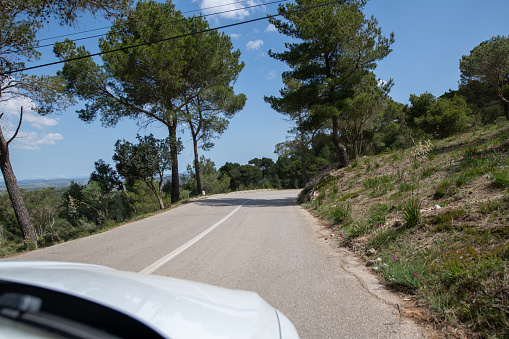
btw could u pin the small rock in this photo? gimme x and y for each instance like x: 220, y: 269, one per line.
x: 437, y: 207
x: 371, y: 251
x: 370, y: 263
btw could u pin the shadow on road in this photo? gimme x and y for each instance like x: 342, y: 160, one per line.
x: 263, y: 202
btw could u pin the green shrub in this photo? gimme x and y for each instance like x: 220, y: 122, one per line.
x: 443, y: 221
x: 445, y: 117
x: 461, y: 179
x: 356, y: 229
x: 384, y: 238
x: 398, y: 271
x: 486, y: 159
x: 412, y: 211
x: 407, y: 187
x: 397, y: 196
x: 341, y: 214
x: 443, y: 189
x: 378, y: 214
x: 489, y: 206
x: 184, y: 194
x: 380, y: 185
x: 501, y: 178
x: 428, y: 171
x: 352, y: 195
x: 470, y: 291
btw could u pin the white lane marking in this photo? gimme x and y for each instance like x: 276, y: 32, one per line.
x: 156, y: 265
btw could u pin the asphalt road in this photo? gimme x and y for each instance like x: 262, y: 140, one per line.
x: 260, y: 241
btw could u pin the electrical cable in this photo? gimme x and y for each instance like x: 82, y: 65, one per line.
x: 168, y: 39
x: 200, y: 16
x: 186, y: 12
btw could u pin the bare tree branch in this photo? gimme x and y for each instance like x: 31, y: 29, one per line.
x: 17, y: 129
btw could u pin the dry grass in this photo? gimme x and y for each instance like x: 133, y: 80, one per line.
x: 455, y: 259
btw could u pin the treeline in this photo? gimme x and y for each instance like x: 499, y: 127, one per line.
x: 396, y: 126
x: 331, y: 88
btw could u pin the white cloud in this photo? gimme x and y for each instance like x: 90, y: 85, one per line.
x: 235, y: 36
x: 254, y: 45
x: 26, y: 139
x: 40, y: 122
x: 271, y: 75
x: 33, y: 141
x: 271, y: 28
x: 228, y: 8
x: 12, y: 108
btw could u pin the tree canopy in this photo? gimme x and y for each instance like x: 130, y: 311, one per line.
x: 489, y: 63
x: 337, y: 46
x: 363, y: 111
x: 106, y: 177
x: 146, y: 161
x: 438, y: 117
x: 153, y: 82
x: 208, y: 115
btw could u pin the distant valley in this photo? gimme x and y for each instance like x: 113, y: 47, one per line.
x: 35, y: 184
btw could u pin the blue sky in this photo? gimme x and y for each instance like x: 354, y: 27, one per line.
x: 431, y: 36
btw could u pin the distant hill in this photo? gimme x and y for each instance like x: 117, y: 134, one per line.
x: 36, y: 184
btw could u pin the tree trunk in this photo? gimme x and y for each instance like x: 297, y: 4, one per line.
x: 501, y: 94
x: 302, y: 148
x: 354, y: 146
x: 303, y: 170
x: 150, y: 184
x: 11, y: 183
x: 360, y: 144
x: 128, y: 202
x: 161, y: 202
x: 357, y: 145
x: 410, y: 135
x: 197, y: 166
x: 340, y: 148
x: 175, y: 179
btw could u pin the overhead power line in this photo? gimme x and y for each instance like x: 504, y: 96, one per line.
x: 191, y: 11
x: 200, y: 16
x: 170, y: 38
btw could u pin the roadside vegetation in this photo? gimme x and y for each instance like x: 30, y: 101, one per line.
x: 433, y: 222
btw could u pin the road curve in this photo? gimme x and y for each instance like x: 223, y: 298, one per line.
x: 260, y: 241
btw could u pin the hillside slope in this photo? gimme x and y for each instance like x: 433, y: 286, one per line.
x: 433, y: 222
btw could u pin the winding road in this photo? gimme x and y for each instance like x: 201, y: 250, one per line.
x: 260, y: 241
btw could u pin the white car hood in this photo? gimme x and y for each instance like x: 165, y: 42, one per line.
x: 175, y: 308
